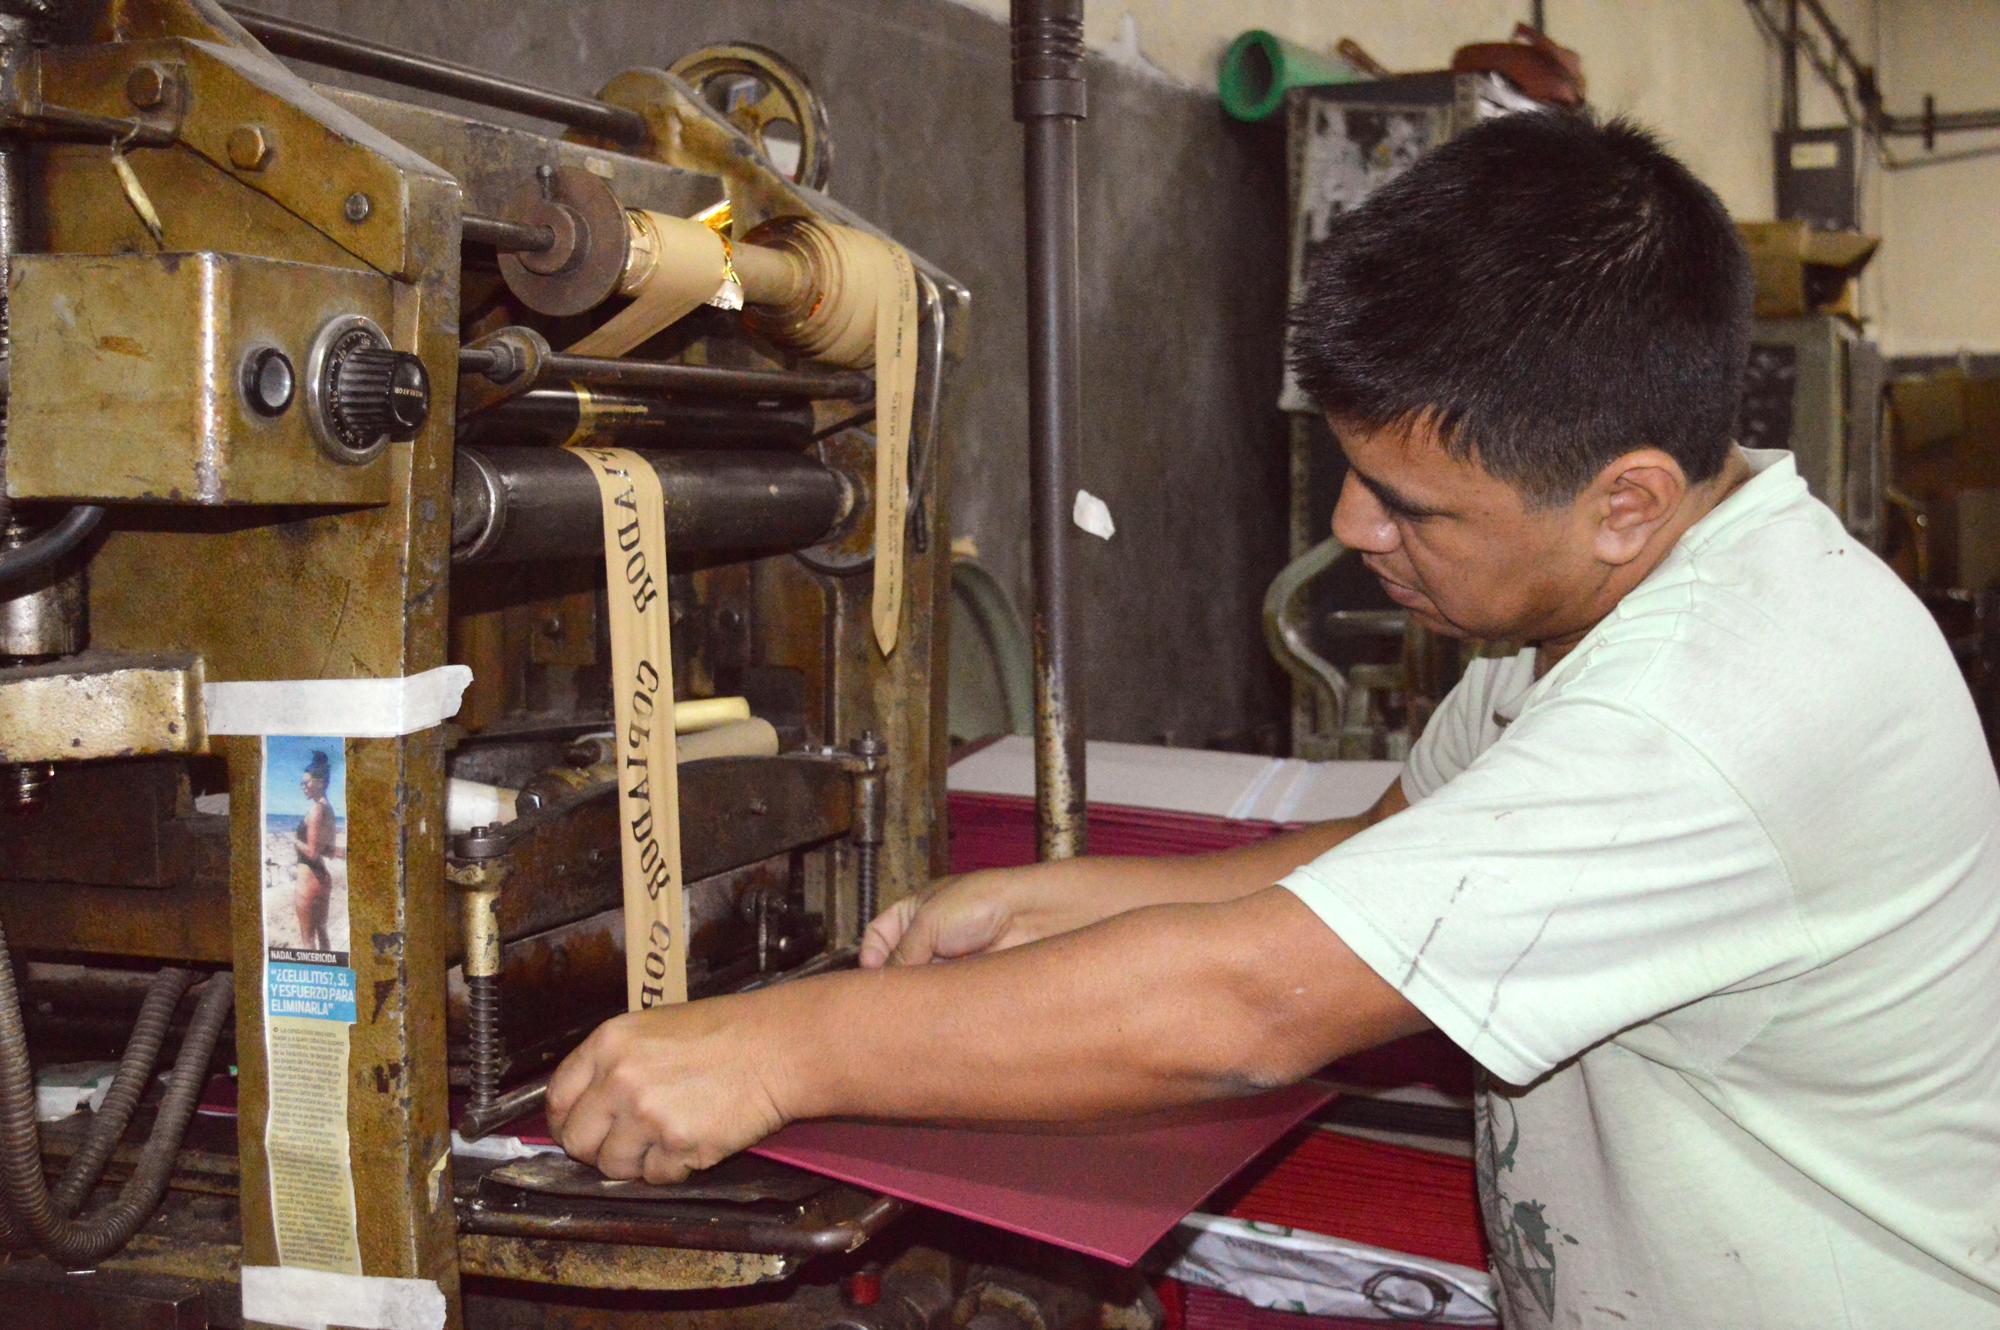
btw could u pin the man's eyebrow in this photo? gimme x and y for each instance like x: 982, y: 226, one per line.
x: 1392, y: 498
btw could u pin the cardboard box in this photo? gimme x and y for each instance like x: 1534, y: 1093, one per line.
x: 1946, y: 434
x: 1799, y: 270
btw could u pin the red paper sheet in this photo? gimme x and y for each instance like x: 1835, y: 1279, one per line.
x: 1110, y: 1194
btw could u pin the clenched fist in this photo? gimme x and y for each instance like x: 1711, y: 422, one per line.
x: 987, y: 911
x: 658, y: 1094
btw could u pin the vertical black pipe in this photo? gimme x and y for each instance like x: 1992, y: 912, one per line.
x: 1049, y: 103
x: 1788, y: 97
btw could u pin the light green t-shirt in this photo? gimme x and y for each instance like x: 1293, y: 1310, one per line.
x: 1716, y: 903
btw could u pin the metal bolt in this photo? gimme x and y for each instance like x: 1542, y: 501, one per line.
x: 552, y: 627
x: 249, y: 150
x: 146, y: 87
x: 357, y: 208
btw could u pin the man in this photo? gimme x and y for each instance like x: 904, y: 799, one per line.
x: 1705, y: 877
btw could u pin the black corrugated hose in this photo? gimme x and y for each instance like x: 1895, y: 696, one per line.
x: 135, y: 1069
x: 31, y: 1213
x: 46, y: 548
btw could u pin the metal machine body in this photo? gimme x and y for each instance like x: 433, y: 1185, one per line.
x: 233, y: 293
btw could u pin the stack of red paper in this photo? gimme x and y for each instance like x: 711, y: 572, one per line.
x: 998, y: 831
x: 1385, y: 1195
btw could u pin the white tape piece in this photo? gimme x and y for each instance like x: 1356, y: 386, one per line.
x: 499, y: 1147
x: 316, y: 1299
x: 1091, y: 514
x: 353, y: 708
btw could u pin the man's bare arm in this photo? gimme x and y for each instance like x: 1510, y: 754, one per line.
x: 1159, y: 1006
x: 994, y: 909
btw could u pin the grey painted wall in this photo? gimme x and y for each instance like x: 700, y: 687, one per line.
x: 1183, y: 279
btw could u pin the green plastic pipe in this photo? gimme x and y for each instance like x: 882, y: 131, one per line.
x: 1259, y: 69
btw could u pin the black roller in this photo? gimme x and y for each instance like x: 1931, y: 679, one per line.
x: 558, y: 415
x: 512, y: 505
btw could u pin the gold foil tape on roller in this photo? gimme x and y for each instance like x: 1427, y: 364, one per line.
x: 822, y: 290
x: 811, y: 287
x: 825, y: 291
x: 830, y: 314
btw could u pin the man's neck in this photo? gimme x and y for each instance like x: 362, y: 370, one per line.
x: 1699, y: 503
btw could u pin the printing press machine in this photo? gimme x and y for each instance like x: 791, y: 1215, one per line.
x: 287, y: 401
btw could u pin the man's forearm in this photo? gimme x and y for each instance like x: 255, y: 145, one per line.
x: 1161, y: 1006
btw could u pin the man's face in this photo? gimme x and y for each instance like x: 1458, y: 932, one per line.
x: 1462, y: 551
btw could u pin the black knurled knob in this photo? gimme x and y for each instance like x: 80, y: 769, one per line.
x: 377, y: 393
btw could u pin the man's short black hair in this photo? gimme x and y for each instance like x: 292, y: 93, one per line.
x: 1549, y: 291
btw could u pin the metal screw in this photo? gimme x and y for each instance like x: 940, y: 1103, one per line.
x: 552, y: 627
x: 146, y: 87
x: 249, y: 150
x: 357, y: 208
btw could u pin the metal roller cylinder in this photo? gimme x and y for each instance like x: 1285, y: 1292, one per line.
x: 574, y: 411
x: 513, y: 505
x: 44, y: 616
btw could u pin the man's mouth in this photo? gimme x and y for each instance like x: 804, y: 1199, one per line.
x: 1396, y: 591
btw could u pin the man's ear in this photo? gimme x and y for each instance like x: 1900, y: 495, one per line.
x: 1633, y: 496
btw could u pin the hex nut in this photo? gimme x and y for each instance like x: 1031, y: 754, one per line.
x: 249, y: 149
x: 146, y: 87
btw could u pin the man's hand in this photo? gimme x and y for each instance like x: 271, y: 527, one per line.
x: 969, y: 915
x: 657, y: 1094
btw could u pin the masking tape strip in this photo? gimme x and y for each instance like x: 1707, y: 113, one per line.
x: 316, y: 1299
x: 895, y: 396
x: 356, y: 708
x: 690, y: 264
x: 649, y: 822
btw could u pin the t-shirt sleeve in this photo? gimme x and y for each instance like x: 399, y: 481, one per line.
x: 1451, y: 738
x: 1589, y: 871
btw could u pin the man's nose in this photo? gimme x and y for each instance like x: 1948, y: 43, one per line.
x: 1359, y: 520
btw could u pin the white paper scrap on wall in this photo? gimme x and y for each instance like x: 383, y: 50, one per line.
x: 1091, y: 514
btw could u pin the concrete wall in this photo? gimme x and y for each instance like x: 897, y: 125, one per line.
x: 1940, y: 269
x: 1696, y: 70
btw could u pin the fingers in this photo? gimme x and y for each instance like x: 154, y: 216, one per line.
x: 886, y: 931
x: 571, y: 1079
x: 662, y: 1169
x: 625, y: 1148
x: 970, y: 926
x: 583, y: 1135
